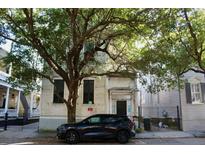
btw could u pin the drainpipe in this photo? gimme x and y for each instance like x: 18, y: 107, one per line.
x: 31, y: 104
x: 180, y: 103
x: 134, y: 91
x: 158, y: 104
x: 140, y: 110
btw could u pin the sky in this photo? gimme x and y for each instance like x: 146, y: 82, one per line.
x: 6, y: 46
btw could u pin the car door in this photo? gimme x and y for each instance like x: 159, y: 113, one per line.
x: 92, y: 128
x: 109, y: 126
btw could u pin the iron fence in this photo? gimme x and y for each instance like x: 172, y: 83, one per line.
x: 160, y: 118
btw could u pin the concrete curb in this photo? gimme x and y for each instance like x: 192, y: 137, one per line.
x: 199, y: 134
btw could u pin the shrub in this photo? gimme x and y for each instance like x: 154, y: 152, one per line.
x: 139, y: 130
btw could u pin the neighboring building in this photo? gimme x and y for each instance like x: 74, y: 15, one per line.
x: 12, y: 100
x: 192, y: 102
x: 107, y: 94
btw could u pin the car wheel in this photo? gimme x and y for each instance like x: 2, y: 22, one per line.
x: 72, y: 137
x: 122, y: 136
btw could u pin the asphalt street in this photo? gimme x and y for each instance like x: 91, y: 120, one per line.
x: 29, y: 135
x: 54, y: 141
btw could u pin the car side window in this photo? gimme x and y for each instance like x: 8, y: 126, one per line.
x: 94, y: 120
x: 109, y: 120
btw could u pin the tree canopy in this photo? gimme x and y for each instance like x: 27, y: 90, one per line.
x: 72, y: 43
x: 172, y: 47
x: 79, y: 43
x: 66, y: 40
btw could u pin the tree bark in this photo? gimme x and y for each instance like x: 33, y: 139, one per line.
x: 71, y: 113
x: 72, y: 100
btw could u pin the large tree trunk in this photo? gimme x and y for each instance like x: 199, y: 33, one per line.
x: 72, y: 100
x: 71, y: 113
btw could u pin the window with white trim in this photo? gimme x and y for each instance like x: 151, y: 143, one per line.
x: 196, y: 93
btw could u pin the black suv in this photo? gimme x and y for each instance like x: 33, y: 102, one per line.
x: 100, y: 126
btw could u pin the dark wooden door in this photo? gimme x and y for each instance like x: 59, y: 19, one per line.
x: 122, y: 108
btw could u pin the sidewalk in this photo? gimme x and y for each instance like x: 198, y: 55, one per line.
x: 197, y: 133
x: 31, y: 131
x: 170, y: 134
x: 21, y: 132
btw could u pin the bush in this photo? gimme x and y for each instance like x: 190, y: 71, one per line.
x: 139, y: 130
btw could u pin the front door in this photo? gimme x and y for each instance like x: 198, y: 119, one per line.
x: 122, y: 108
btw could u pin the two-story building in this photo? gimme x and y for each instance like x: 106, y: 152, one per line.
x: 12, y: 99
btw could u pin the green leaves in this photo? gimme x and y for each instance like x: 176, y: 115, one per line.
x: 54, y: 39
x: 156, y: 42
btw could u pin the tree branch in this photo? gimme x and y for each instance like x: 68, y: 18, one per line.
x: 11, y: 39
x: 191, y: 30
x: 39, y: 46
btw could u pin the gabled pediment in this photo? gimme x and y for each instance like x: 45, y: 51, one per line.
x: 194, y: 80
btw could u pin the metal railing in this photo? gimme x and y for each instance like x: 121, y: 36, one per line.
x: 35, y: 112
x: 159, y: 117
x: 4, y: 119
x: 11, y: 112
x: 4, y: 76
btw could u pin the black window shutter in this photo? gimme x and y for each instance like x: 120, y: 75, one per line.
x: 203, y: 92
x: 188, y: 93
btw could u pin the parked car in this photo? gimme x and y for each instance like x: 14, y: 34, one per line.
x: 100, y: 126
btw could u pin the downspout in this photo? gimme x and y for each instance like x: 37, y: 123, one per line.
x: 135, y: 90
x: 158, y: 104
x: 138, y: 105
x: 180, y: 103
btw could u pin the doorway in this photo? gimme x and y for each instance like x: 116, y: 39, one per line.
x: 122, y: 108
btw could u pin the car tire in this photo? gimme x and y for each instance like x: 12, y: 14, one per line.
x: 122, y: 136
x: 72, y: 137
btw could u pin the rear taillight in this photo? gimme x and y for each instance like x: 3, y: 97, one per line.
x: 131, y: 124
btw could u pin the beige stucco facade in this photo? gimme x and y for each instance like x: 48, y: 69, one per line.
x: 107, y: 90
